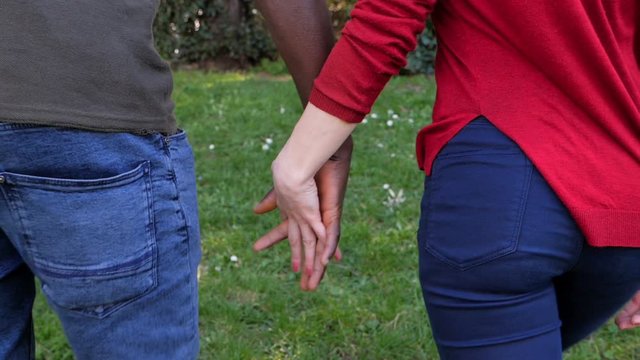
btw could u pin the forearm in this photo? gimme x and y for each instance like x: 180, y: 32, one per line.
x: 316, y: 137
x: 302, y: 32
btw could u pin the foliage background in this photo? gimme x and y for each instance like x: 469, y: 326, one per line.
x: 230, y: 34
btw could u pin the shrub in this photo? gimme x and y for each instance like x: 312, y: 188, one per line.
x: 230, y: 34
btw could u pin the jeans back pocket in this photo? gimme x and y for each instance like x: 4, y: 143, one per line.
x: 475, y: 198
x: 91, y: 242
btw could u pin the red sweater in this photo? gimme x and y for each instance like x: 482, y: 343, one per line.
x: 560, y: 78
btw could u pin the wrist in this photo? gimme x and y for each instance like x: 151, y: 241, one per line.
x: 289, y: 173
x: 344, y: 152
x: 315, y: 138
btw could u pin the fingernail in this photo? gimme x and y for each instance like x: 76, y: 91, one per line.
x: 635, y: 320
x: 295, y: 266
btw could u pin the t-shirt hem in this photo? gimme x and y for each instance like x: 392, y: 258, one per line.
x: 91, y: 122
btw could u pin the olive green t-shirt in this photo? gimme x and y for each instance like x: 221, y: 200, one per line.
x: 85, y: 64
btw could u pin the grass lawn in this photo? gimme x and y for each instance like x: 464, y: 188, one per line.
x: 369, y: 305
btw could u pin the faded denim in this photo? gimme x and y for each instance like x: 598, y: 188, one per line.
x: 108, y: 223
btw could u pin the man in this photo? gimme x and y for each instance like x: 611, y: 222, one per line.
x: 97, y: 186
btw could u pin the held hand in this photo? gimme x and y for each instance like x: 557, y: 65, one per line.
x: 297, y: 199
x: 316, y: 137
x: 331, y: 181
x: 629, y: 316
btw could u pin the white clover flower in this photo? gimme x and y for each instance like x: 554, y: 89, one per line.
x: 394, y: 199
x: 374, y: 116
x: 282, y: 110
x: 380, y: 145
x: 393, y: 155
x: 395, y: 117
x: 389, y: 112
x: 212, y: 147
x: 265, y: 147
x: 218, y: 268
x: 389, y: 123
x: 386, y: 186
x: 233, y: 258
x: 268, y: 141
x: 410, y: 121
x: 364, y: 121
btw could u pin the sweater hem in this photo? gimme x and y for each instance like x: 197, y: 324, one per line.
x: 609, y: 227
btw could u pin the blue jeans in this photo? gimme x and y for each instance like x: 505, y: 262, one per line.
x: 108, y: 223
x: 505, y: 272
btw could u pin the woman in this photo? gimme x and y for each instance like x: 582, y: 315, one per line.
x: 530, y: 229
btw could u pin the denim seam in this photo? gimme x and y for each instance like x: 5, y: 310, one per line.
x: 450, y: 156
x: 12, y: 201
x: 15, y: 214
x: 475, y: 124
x: 526, y: 186
x: 427, y: 210
x: 131, y: 267
x: 17, y: 126
x: 71, y: 185
x: 166, y: 144
x: 109, y: 308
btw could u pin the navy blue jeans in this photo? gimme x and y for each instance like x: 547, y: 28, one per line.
x: 505, y: 272
x: 108, y: 223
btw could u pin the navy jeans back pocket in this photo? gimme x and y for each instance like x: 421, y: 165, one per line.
x: 93, y: 265
x: 475, y: 198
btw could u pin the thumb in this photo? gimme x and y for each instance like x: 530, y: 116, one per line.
x: 268, y: 203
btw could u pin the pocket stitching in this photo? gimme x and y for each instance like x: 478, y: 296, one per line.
x: 119, y: 180
x: 71, y: 185
x: 144, y: 261
x: 515, y: 237
x: 109, y: 309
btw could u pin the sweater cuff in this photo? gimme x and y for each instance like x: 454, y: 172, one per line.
x: 324, y: 103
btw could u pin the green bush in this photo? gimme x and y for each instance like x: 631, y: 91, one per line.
x: 422, y: 60
x: 230, y: 34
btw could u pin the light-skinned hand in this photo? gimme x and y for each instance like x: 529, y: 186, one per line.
x: 331, y: 182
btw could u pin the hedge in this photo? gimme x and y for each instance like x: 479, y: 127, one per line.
x: 230, y: 34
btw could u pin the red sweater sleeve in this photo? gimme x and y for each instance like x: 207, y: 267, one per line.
x: 373, y: 47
